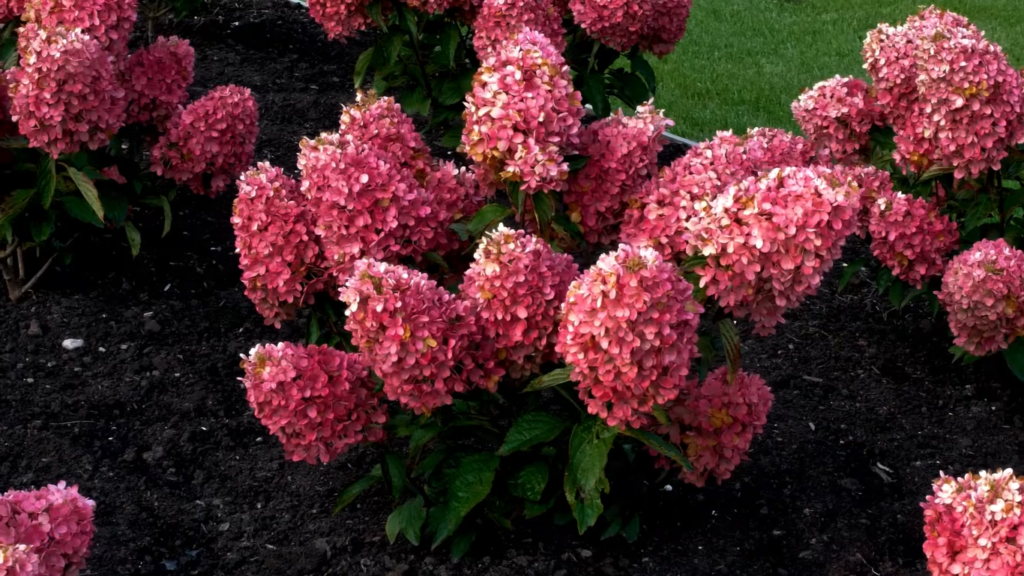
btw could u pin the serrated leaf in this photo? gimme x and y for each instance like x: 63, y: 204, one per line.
x: 897, y: 292
x: 553, y: 378
x: 422, y: 435
x: 613, y: 528
x: 591, y: 87
x: 313, y: 333
x: 529, y: 483
x: 414, y: 101
x: 849, y: 270
x: 362, y: 65
x: 454, y: 89
x: 46, y: 180
x: 88, y: 190
x: 115, y: 208
x: 1014, y: 356
x: 543, y: 208
x: 14, y: 204
x: 469, y: 483
x: 42, y: 227
x: 589, y: 445
x: 79, y: 209
x: 407, y: 520
x: 348, y: 495
x: 394, y: 473
x: 486, y: 217
x: 462, y: 542
x: 452, y: 137
x: 659, y: 444
x: 134, y: 238
x: 531, y: 429
x: 730, y: 344
x: 629, y: 87
x: 639, y: 65
x: 450, y: 39
x: 577, y: 161
x: 460, y: 229
x: 375, y: 10
x: 430, y: 463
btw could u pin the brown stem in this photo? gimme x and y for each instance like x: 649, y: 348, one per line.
x: 10, y: 250
x: 18, y: 292
x: 21, y: 264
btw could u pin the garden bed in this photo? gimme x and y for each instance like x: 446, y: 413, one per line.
x: 150, y: 419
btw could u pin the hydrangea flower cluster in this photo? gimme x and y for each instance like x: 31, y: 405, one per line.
x: 210, y: 142
x: 157, y: 78
x: 65, y: 92
x: 717, y: 421
x: 950, y: 94
x: 11, y: 10
x: 623, y: 152
x: 18, y: 560
x: 910, y: 237
x: 413, y: 333
x: 629, y: 330
x: 318, y: 401
x: 837, y: 116
x: 499, y: 21
x: 436, y: 6
x: 521, y: 114
x: 516, y: 285
x: 55, y: 522
x: 973, y: 525
x: 341, y: 19
x: 653, y: 25
x: 109, y: 22
x: 275, y: 241
x: 982, y: 291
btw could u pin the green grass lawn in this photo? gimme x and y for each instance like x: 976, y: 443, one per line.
x: 743, y: 62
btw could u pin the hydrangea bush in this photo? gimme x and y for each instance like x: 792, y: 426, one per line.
x: 80, y: 118
x: 942, y: 120
x: 45, y: 532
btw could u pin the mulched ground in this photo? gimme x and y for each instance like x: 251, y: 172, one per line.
x: 150, y: 420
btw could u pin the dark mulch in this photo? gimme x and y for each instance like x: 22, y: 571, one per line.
x: 150, y: 420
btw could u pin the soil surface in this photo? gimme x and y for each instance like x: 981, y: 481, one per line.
x: 150, y: 420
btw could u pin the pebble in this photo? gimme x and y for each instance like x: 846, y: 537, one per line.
x: 72, y: 344
x: 34, y: 329
x: 586, y: 553
x: 151, y: 326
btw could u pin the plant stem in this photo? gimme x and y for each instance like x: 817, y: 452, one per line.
x: 569, y: 398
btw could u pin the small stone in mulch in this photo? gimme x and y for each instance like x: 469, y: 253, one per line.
x: 34, y: 329
x: 151, y: 326
x: 72, y: 344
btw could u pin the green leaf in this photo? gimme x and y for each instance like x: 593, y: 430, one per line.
x: 1014, y: 356
x: 313, y: 333
x: 642, y: 68
x: 348, y: 495
x: 935, y: 172
x: 589, y: 445
x: 362, y: 64
x: 415, y: 101
x: 394, y: 466
x: 884, y: 280
x: 553, y: 378
x: 42, y: 227
x: 531, y: 429
x: 46, y: 180
x: 849, y: 270
x: 632, y: 529
x: 529, y: 483
x: 591, y: 87
x: 408, y: 18
x: 160, y: 202
x: 80, y: 210
x: 486, y: 217
x: 468, y: 485
x: 534, y: 509
x: 462, y: 542
x: 423, y: 435
x: 897, y: 292
x: 430, y: 463
x: 614, y: 527
x: 566, y: 225
x: 577, y: 161
x: 454, y: 89
x: 88, y: 190
x: 375, y: 10
x: 543, y: 208
x: 134, y: 238
x: 730, y: 344
x: 664, y: 447
x: 629, y: 87
x: 14, y: 204
x: 115, y: 208
x: 450, y: 39
x: 452, y: 137
x: 407, y: 519
x: 461, y: 229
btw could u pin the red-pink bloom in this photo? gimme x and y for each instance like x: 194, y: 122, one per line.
x: 629, y: 331
x: 380, y: 122
x: 64, y: 92
x: 973, y: 525
x: 717, y: 421
x: 413, y: 333
x: 982, y: 291
x: 872, y: 184
x: 516, y: 285
x: 18, y: 560
x: 56, y: 522
x: 951, y: 95
x: 500, y: 21
x: 157, y: 80
x: 653, y: 25
x: 837, y: 116
x: 275, y: 242
x: 435, y: 6
x: 109, y: 22
x: 113, y: 173
x: 317, y: 400
x: 210, y: 142
x: 341, y: 19
x: 623, y: 157
x: 910, y: 237
x: 11, y: 10
x: 521, y: 115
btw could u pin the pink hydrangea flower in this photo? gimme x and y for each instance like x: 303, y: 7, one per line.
x: 453, y: 195
x: 380, y: 121
x: 837, y: 116
x: 109, y: 22
x: 113, y: 173
x: 318, y: 401
x: 11, y: 10
x: 872, y: 184
x: 717, y: 421
x: 951, y: 95
x: 56, y: 522
x: 500, y: 21
x: 18, y: 560
x: 910, y: 237
x: 275, y: 242
x: 413, y: 333
x: 341, y: 19
x: 521, y: 115
x: 516, y: 285
x: 210, y: 142
x: 65, y: 92
x: 629, y: 331
x: 157, y: 80
x: 653, y: 25
x: 435, y: 6
x: 623, y: 152
x: 973, y: 525
x: 982, y: 291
